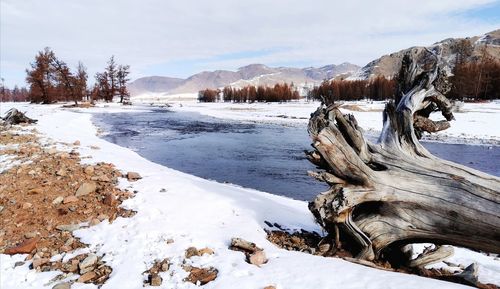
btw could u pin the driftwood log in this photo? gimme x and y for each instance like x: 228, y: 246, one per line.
x: 14, y: 116
x: 386, y: 195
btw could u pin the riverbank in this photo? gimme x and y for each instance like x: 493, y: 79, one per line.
x: 176, y: 211
x: 474, y: 122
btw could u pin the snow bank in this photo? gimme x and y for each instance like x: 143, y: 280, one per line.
x: 159, y: 97
x: 201, y: 213
x: 475, y: 122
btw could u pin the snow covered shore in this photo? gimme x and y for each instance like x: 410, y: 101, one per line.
x: 474, y: 124
x: 196, y: 212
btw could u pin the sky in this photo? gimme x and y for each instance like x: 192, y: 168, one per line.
x: 179, y: 38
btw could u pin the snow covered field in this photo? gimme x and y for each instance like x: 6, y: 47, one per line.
x: 475, y: 122
x: 201, y: 213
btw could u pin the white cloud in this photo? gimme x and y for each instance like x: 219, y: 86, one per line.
x: 151, y: 32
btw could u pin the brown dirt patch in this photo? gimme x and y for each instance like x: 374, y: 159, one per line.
x: 313, y: 243
x: 39, y: 205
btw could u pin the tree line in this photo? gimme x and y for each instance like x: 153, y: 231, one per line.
x: 50, y: 80
x: 13, y: 95
x: 475, y: 77
x: 379, y: 88
x: 277, y: 93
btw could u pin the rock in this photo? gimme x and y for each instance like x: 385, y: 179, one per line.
x: 239, y: 244
x: 25, y: 247
x: 64, y: 285
x: 66, y: 248
x: 103, y: 217
x: 35, y: 191
x: 270, y: 287
x: 70, y: 199
x: 63, y: 155
x: 94, y: 222
x: 85, y: 189
x: 37, y: 262
x: 202, y: 275
x: 69, y: 241
x: 109, y: 200
x: 191, y: 251
x: 90, y: 261
x: 61, y: 172
x: 324, y: 248
x: 170, y: 241
x: 296, y: 240
x: 68, y: 228
x: 89, y: 170
x: 52, y: 151
x: 86, y: 277
x: 57, y: 200
x: 1, y: 208
x: 102, y: 178
x: 27, y: 206
x: 95, y: 147
x: 76, y: 143
x: 30, y: 235
x: 205, y: 251
x: 258, y: 258
x: 133, y: 176
x: 86, y: 270
x: 18, y: 263
x: 470, y: 273
x: 155, y: 280
x: 164, y: 266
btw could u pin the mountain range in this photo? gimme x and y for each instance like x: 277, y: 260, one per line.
x: 259, y: 74
x: 253, y: 74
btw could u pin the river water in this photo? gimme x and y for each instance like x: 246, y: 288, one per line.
x: 265, y: 157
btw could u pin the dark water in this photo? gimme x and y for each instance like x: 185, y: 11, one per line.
x: 260, y: 156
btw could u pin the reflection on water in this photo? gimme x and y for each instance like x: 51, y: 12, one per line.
x: 264, y: 157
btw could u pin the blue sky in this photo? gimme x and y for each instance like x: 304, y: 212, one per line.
x: 489, y: 12
x: 180, y: 38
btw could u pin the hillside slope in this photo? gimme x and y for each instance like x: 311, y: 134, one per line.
x: 389, y: 65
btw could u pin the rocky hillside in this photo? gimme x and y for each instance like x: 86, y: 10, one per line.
x: 389, y: 65
x: 253, y: 74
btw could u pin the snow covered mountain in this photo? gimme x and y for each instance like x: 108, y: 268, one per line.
x: 389, y: 65
x: 253, y: 74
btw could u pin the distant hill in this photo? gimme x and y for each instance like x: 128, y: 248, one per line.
x: 253, y: 74
x: 389, y: 65
x: 154, y: 84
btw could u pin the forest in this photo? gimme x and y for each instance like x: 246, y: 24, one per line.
x: 475, y: 78
x: 378, y: 88
x: 50, y: 80
x: 277, y: 93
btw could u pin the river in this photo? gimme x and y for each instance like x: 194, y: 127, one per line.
x: 265, y: 157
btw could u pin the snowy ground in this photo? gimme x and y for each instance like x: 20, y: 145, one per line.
x: 474, y: 124
x: 201, y: 213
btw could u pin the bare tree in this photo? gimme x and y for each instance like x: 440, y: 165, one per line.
x: 40, y: 77
x: 111, y: 72
x: 122, y: 78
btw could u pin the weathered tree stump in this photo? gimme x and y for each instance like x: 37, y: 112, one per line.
x: 392, y: 193
x: 14, y: 116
